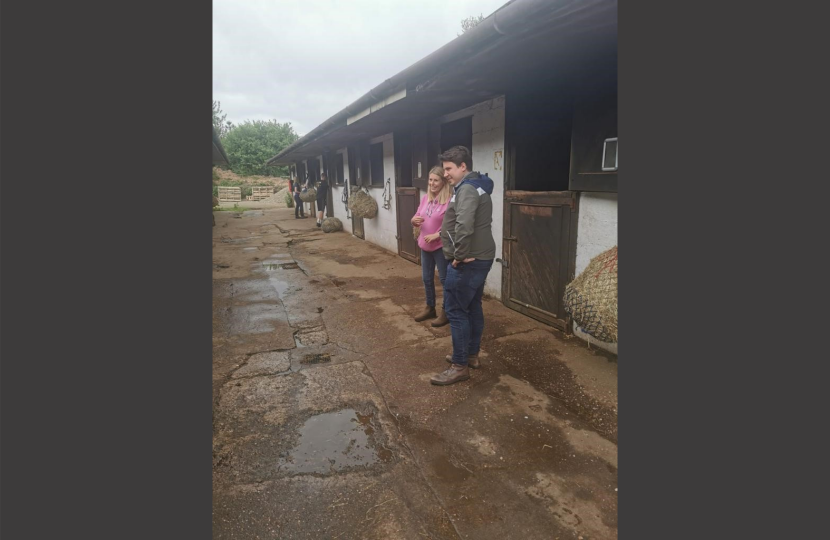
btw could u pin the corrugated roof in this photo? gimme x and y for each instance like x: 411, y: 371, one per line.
x: 508, y: 48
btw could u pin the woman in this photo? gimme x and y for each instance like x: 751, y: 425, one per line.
x: 429, y: 216
x: 299, y: 211
x: 322, y: 197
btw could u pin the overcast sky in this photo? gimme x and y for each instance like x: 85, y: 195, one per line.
x: 302, y: 61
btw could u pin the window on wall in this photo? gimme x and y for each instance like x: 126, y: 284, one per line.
x: 354, y: 159
x: 376, y: 163
x: 457, y: 133
x: 339, y: 170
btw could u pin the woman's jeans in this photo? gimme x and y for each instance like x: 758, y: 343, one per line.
x: 299, y: 211
x: 429, y: 260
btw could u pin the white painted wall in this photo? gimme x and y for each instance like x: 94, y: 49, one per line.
x: 383, y: 229
x: 597, y: 232
x: 488, y: 141
x: 337, y: 194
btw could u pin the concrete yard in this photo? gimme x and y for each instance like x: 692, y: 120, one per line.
x: 326, y: 425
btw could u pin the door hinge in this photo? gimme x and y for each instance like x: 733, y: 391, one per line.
x: 510, y: 238
x: 503, y: 262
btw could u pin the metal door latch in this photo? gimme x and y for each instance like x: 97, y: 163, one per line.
x: 503, y: 262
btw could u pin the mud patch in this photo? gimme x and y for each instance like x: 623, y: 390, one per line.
x: 483, y: 445
x: 315, y: 358
x: 575, y: 512
x: 531, y: 357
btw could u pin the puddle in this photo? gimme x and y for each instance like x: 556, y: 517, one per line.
x: 273, y: 267
x: 239, y: 240
x: 276, y: 264
x: 332, y: 442
x: 279, y: 285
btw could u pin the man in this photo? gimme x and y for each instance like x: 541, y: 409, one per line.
x: 322, y: 197
x: 467, y: 241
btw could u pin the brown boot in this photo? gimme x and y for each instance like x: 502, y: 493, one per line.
x: 453, y: 374
x: 428, y: 313
x: 472, y: 361
x: 441, y: 320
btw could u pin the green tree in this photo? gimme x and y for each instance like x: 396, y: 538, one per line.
x: 250, y: 144
x: 470, y: 22
x: 220, y: 122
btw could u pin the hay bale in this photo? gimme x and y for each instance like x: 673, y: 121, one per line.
x: 362, y: 205
x: 309, y: 195
x: 331, y: 224
x: 591, y: 299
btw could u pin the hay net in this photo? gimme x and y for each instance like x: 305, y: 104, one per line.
x: 331, y: 224
x: 591, y: 299
x: 362, y: 204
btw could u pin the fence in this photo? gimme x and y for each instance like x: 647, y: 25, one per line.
x: 259, y: 193
x: 230, y: 194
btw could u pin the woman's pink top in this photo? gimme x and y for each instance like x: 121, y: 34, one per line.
x: 433, y: 214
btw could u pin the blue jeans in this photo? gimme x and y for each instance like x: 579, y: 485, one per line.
x: 298, y: 206
x: 463, y: 290
x: 429, y: 260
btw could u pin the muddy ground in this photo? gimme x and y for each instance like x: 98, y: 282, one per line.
x: 326, y: 426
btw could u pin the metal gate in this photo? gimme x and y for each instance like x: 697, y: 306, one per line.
x: 539, y: 253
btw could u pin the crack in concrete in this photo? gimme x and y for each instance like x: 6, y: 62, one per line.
x: 412, y: 455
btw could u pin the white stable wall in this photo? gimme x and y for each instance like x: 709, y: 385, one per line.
x: 597, y: 232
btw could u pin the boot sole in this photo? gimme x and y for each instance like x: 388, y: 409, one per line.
x: 436, y: 383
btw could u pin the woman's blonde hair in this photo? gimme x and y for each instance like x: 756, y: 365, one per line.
x: 444, y: 194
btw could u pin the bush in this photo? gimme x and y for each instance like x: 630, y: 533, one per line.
x: 289, y: 200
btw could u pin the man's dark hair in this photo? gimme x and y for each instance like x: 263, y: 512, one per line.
x: 458, y: 155
x: 323, y: 174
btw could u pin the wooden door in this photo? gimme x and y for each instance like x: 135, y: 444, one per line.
x: 539, y: 252
x: 407, y: 203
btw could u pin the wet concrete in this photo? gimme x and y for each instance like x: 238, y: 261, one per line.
x: 335, y: 442
x: 326, y: 426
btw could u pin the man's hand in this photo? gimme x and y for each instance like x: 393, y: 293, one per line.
x: 417, y: 220
x: 455, y: 262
